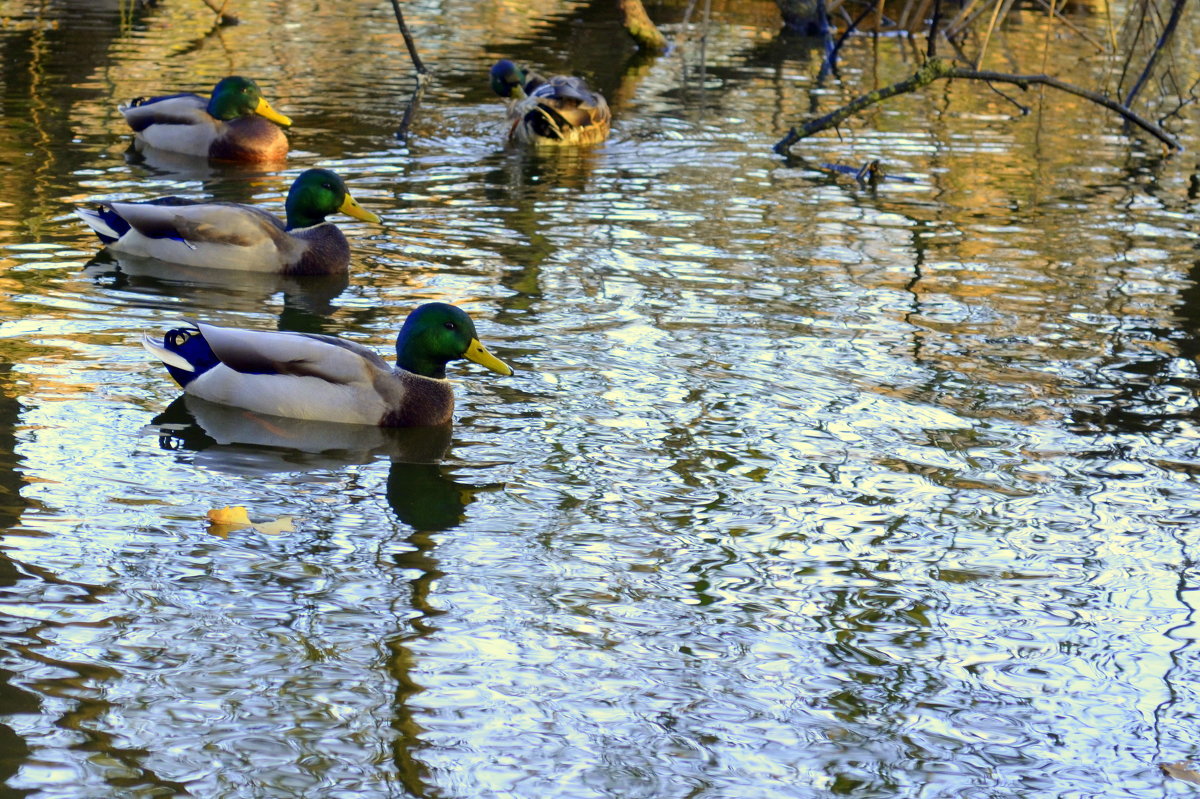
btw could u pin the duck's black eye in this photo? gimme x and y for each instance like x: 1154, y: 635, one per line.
x: 450, y: 326
x: 328, y: 186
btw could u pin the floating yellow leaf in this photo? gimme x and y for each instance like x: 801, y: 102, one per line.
x: 223, y: 521
x: 234, y: 514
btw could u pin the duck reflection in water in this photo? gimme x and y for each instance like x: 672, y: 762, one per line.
x: 152, y: 283
x: 180, y: 166
x: 241, y: 442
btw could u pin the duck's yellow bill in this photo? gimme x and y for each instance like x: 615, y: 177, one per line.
x: 350, y: 207
x: 479, y: 354
x: 264, y: 109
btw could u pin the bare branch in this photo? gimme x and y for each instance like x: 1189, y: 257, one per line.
x: 1159, y: 46
x: 830, y: 63
x: 408, y: 39
x: 1075, y: 29
x: 639, y: 25
x: 222, y: 17
x: 935, y: 69
x: 933, y: 29
x: 1024, y: 109
x: 423, y: 76
x: 413, y: 102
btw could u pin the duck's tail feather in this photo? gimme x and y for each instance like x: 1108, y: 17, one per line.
x: 546, y: 122
x: 184, y: 352
x: 105, y: 222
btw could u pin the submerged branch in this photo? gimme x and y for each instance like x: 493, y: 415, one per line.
x: 413, y: 102
x: 936, y: 69
x: 423, y: 77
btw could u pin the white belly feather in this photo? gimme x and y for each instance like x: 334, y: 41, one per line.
x: 288, y: 395
x: 263, y: 256
x: 187, y: 139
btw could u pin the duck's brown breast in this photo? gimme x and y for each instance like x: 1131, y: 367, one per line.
x: 249, y: 139
x: 421, y: 402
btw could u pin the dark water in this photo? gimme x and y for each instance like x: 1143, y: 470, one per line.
x: 802, y: 489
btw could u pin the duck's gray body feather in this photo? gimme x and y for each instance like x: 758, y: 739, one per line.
x: 227, y: 236
x: 307, y: 376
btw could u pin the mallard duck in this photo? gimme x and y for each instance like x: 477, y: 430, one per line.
x: 323, y: 378
x: 233, y: 236
x: 557, y: 110
x: 231, y: 125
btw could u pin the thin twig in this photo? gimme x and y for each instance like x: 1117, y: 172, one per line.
x: 933, y: 29
x: 1046, y: 40
x: 687, y: 14
x: 1075, y: 29
x: 935, y: 69
x: 1175, y: 111
x: 423, y: 76
x: 961, y: 18
x: 1023, y: 108
x: 1183, y: 103
x: 830, y: 62
x: 413, y: 101
x: 408, y: 39
x: 1159, y: 46
x: 964, y: 21
x: 1132, y: 45
x: 1000, y: 11
x: 222, y: 17
x: 826, y: 30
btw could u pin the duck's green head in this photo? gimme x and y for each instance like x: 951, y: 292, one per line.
x: 316, y: 194
x: 507, y: 79
x: 437, y: 333
x: 236, y: 96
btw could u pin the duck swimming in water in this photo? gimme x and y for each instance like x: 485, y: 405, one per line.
x: 235, y: 236
x: 309, y: 376
x: 558, y: 110
x: 230, y: 125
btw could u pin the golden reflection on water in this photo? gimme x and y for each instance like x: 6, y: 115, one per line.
x: 803, y: 486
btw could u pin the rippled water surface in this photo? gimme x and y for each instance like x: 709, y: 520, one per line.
x: 802, y: 488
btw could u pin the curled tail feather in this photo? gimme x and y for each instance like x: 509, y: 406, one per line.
x: 184, y: 352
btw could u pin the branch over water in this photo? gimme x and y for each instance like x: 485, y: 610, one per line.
x: 423, y: 76
x: 935, y: 69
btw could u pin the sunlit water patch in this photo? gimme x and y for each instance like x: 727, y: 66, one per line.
x: 804, y: 486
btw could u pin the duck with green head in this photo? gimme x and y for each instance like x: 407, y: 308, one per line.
x: 235, y: 123
x: 323, y: 378
x: 558, y: 110
x: 235, y: 236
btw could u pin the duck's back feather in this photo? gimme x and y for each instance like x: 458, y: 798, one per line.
x: 218, y: 223
x: 299, y: 354
x: 561, y: 110
x: 218, y: 235
x: 173, y: 109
